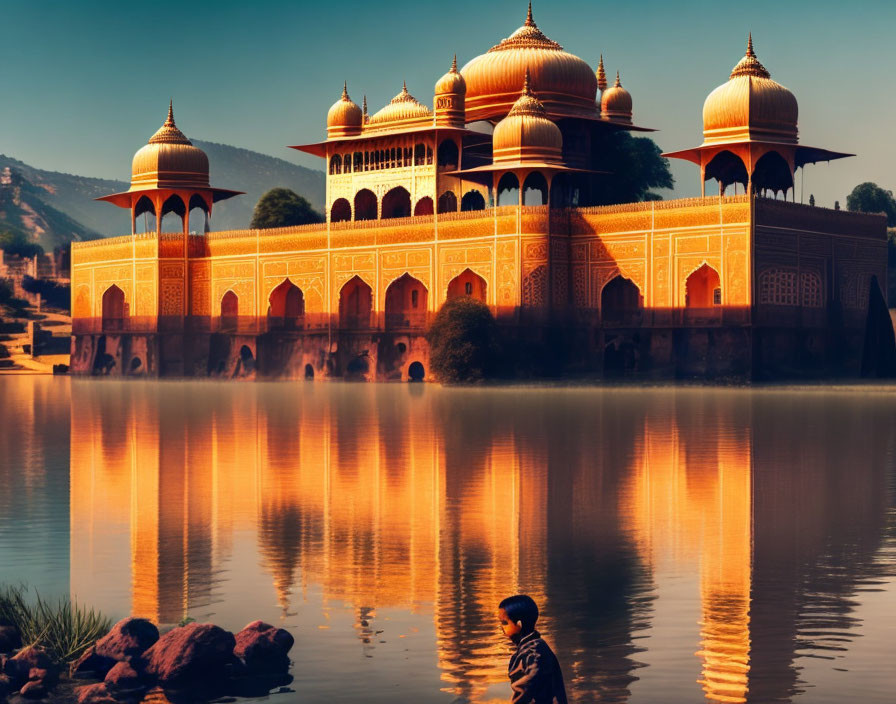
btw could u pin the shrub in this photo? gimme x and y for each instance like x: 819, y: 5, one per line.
x: 463, y: 342
x: 63, y: 627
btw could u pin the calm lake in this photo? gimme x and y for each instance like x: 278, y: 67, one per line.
x: 684, y: 544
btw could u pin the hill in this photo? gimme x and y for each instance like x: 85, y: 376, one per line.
x: 57, y: 207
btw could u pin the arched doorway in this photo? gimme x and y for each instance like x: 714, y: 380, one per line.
x: 355, y: 305
x: 230, y: 311
x: 405, y: 303
x: 472, y: 200
x: 509, y: 190
x: 535, y: 189
x: 365, y: 205
x: 114, y: 309
x: 423, y: 206
x: 286, y: 307
x: 341, y: 210
x: 620, y: 301
x: 397, y: 203
x: 448, y: 202
x: 416, y: 372
x: 469, y: 284
x: 703, y: 288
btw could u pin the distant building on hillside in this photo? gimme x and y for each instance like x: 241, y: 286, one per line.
x: 491, y: 194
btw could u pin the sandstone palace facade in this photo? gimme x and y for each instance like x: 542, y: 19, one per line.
x: 491, y: 194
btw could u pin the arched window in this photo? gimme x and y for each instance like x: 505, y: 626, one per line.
x: 175, y: 208
x: 423, y: 206
x: 114, y: 309
x: 286, y: 310
x: 230, y: 311
x: 703, y: 288
x: 198, y: 218
x: 620, y: 301
x: 468, y: 283
x: 147, y: 223
x: 535, y: 189
x: 359, y: 162
x: 341, y: 210
x: 365, y: 205
x: 355, y: 304
x: 405, y: 303
x: 448, y: 202
x: 397, y: 203
x: 778, y: 287
x: 448, y: 155
x: 335, y: 164
x: 509, y: 190
x: 419, y: 155
x: 811, y: 289
x: 472, y: 200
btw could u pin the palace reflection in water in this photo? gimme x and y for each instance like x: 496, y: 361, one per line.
x: 353, y: 509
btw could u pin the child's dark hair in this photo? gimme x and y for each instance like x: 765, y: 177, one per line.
x: 521, y: 608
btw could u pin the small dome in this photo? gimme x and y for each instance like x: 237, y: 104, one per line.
x: 750, y: 106
x: 169, y: 160
x: 404, y: 107
x: 527, y: 133
x: 566, y: 85
x: 616, y: 103
x: 344, y: 117
x: 452, y: 82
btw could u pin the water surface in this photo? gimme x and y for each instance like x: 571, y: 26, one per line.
x: 684, y: 544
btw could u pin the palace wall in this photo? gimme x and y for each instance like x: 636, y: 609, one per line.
x: 541, y: 271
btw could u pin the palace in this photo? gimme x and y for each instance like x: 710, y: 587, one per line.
x: 494, y: 193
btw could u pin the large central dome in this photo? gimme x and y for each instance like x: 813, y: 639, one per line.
x: 564, y: 83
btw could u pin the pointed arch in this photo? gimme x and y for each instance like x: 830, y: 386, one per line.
x: 703, y: 288
x: 365, y: 205
x: 341, y: 210
x: 115, y: 309
x: 144, y: 206
x: 423, y: 206
x: 230, y: 310
x: 397, y: 203
x: 535, y: 189
x: 175, y: 205
x: 472, y: 200
x: 447, y: 155
x: 198, y: 222
x: 468, y: 283
x: 509, y: 190
x: 406, y: 300
x: 620, y: 300
x: 286, y: 307
x: 448, y: 202
x: 355, y: 304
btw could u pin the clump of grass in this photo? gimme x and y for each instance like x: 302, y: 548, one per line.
x: 64, y: 628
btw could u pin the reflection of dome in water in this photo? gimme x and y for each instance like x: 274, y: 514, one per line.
x: 565, y: 84
x: 527, y: 133
x: 750, y: 104
x: 344, y: 117
x: 169, y: 160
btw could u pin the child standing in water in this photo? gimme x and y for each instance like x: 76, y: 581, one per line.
x: 534, y: 672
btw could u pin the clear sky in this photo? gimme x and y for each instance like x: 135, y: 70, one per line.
x: 84, y: 84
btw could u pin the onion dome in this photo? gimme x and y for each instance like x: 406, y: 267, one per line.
x: 527, y: 133
x: 616, y: 103
x: 750, y: 106
x: 169, y: 160
x: 601, y: 75
x: 565, y: 84
x: 344, y: 117
x: 403, y: 108
x: 452, y: 82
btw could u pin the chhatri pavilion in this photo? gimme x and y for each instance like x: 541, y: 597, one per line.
x: 493, y: 193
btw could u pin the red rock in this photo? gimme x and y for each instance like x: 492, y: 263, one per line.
x: 263, y: 647
x: 34, y: 690
x: 192, y: 653
x: 10, y: 639
x: 128, y: 638
x: 122, y: 676
x: 33, y: 656
x: 95, y: 694
x: 91, y: 664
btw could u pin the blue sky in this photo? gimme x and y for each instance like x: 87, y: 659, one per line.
x: 84, y: 84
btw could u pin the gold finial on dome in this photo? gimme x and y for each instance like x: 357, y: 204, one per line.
x: 345, y: 90
x: 749, y: 65
x: 529, y: 21
x: 168, y: 132
x: 527, y: 103
x: 529, y: 36
x: 404, y: 86
x: 601, y: 75
x: 364, y: 109
x: 454, y: 64
x: 616, y: 103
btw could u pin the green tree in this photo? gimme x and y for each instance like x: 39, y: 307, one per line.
x: 463, y: 342
x: 870, y: 198
x: 14, y: 241
x: 281, y: 207
x: 636, y: 165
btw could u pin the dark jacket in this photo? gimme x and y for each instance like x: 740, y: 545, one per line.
x: 535, y: 676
